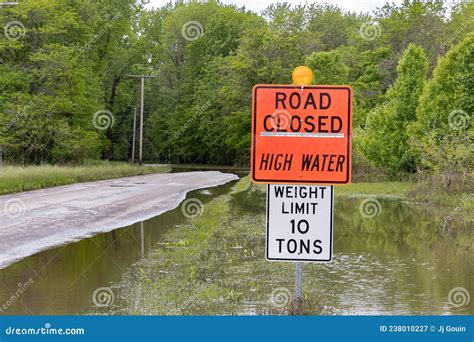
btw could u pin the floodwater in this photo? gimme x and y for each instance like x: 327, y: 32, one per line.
x: 398, y: 262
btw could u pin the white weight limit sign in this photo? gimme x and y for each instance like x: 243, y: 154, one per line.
x: 299, y: 223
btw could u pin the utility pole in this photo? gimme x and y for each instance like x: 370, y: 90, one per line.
x: 134, y: 132
x: 142, y: 105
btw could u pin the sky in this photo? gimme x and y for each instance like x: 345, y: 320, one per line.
x: 259, y: 5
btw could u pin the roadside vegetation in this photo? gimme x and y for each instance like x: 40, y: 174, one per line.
x: 408, y: 191
x: 65, y: 95
x: 24, y: 178
x: 215, y: 264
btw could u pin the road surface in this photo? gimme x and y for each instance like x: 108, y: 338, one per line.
x: 37, y: 220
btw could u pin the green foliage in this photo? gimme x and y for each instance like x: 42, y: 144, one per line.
x: 414, y: 22
x: 334, y: 27
x: 443, y: 130
x: 18, y: 178
x: 450, y: 90
x: 62, y: 68
x: 75, y: 57
x: 368, y: 75
x: 328, y: 67
x: 461, y: 24
x: 385, y: 140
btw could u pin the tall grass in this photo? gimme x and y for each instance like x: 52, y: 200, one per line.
x: 24, y: 178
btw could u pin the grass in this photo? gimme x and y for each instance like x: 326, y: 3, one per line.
x: 377, y: 189
x: 399, y: 190
x: 404, y: 190
x: 215, y: 264
x: 412, y: 191
x: 24, y: 178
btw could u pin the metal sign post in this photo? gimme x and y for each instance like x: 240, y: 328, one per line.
x: 299, y: 227
x: 298, y: 279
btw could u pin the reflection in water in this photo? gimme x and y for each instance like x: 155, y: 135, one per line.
x: 397, y: 262
x: 142, y: 239
x: 64, y: 278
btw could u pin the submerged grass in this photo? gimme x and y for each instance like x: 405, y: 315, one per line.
x: 377, y: 189
x: 24, y: 178
x: 403, y: 190
x: 215, y: 264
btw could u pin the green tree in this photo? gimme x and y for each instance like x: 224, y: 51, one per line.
x: 368, y: 76
x: 460, y: 25
x: 444, y: 117
x: 385, y: 140
x: 333, y: 26
x: 68, y: 63
x: 328, y: 67
x: 414, y: 22
x: 75, y: 56
x: 195, y: 101
x: 49, y: 118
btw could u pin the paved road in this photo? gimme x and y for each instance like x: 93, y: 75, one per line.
x: 37, y: 220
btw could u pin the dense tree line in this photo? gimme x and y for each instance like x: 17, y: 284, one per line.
x: 67, y: 63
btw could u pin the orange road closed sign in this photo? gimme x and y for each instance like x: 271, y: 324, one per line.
x: 301, y: 134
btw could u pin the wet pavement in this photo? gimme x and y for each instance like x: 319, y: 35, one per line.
x: 38, y: 220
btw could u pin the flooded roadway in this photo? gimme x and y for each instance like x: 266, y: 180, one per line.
x: 37, y: 220
x: 64, y: 278
x: 395, y: 263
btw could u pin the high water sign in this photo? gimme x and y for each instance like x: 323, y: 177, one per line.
x: 301, y: 134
